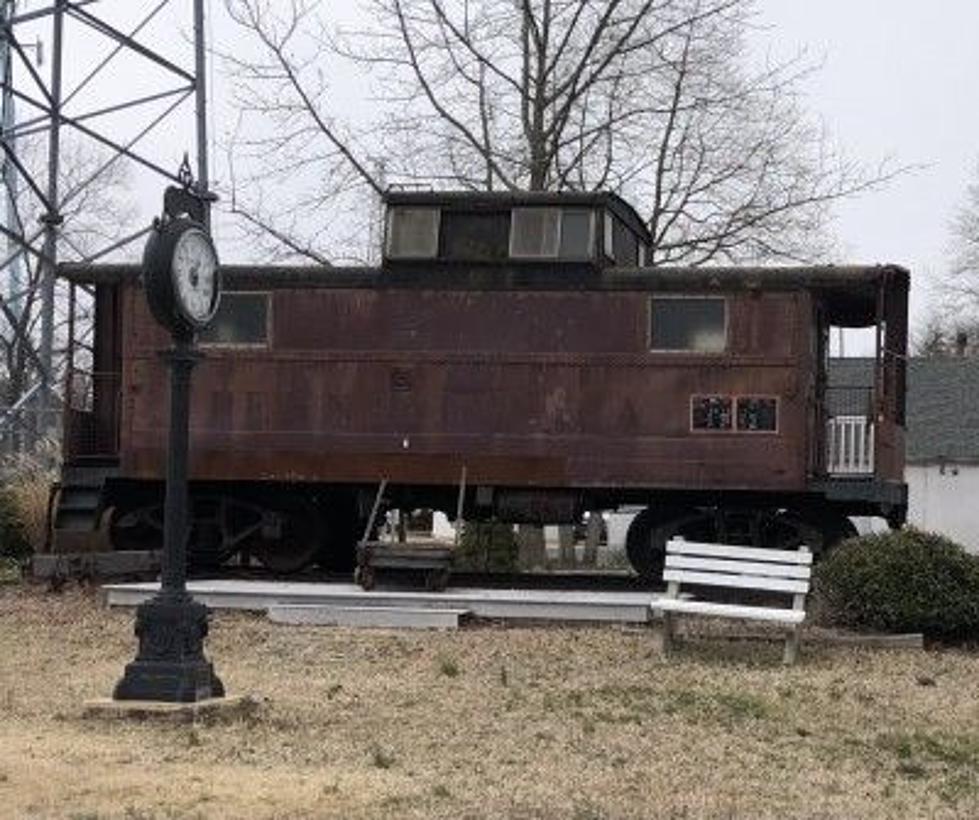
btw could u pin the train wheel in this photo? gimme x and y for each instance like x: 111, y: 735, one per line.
x: 290, y: 537
x: 645, y: 540
x: 772, y: 529
x: 221, y: 524
x: 136, y: 528
x: 820, y: 531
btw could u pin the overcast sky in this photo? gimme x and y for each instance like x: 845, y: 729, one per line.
x: 897, y: 82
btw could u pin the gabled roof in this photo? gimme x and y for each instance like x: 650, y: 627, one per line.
x: 943, y: 405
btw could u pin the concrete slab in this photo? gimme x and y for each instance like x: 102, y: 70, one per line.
x: 562, y: 605
x: 232, y: 707
x: 366, y: 616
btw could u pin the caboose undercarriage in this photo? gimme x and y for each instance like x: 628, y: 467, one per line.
x: 289, y: 526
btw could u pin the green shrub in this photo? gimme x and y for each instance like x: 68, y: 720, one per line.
x: 901, y: 581
x: 487, y: 546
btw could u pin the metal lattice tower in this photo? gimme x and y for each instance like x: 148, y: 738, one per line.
x: 117, y: 117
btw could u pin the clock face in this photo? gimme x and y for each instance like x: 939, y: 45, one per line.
x: 194, y: 271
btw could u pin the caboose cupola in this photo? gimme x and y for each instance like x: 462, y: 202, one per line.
x: 592, y: 229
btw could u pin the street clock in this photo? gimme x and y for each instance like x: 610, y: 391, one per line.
x: 180, y: 270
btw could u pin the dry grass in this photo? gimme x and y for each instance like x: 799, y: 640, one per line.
x: 28, y: 488
x: 486, y: 722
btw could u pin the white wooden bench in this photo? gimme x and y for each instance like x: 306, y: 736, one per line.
x: 749, y: 568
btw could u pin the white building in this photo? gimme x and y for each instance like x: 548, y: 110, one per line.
x: 942, y: 443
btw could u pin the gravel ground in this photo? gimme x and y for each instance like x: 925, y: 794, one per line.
x: 545, y: 722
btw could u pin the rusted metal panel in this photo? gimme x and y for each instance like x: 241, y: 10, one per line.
x: 552, y: 389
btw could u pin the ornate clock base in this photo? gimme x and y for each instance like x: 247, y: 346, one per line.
x: 170, y: 665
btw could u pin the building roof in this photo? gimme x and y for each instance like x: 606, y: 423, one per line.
x: 943, y: 405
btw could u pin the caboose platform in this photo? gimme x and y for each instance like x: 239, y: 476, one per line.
x: 509, y: 604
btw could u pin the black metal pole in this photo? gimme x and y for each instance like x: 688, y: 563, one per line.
x: 173, y: 587
x: 170, y: 664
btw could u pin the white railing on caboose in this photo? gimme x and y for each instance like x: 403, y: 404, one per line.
x: 850, y: 445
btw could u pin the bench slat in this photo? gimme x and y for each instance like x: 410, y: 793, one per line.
x: 718, y: 579
x: 678, y: 546
x: 760, y: 613
x: 737, y: 567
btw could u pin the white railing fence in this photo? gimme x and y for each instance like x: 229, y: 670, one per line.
x: 850, y: 445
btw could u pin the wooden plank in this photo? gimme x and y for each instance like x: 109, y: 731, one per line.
x: 910, y: 640
x: 738, y: 567
x: 717, y: 579
x: 757, y: 613
x: 680, y: 547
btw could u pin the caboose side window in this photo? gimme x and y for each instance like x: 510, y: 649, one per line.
x: 577, y: 233
x: 711, y: 413
x: 534, y: 232
x: 242, y: 319
x: 552, y: 233
x: 413, y: 233
x: 690, y: 325
x: 757, y: 414
x: 479, y: 236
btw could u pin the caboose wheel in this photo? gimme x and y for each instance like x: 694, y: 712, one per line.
x: 820, y: 530
x: 136, y: 528
x: 752, y: 527
x: 290, y: 537
x: 645, y: 541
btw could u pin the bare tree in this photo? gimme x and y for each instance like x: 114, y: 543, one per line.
x: 655, y: 99
x: 963, y: 283
x: 952, y: 326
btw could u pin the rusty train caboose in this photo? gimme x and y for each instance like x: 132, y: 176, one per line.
x: 521, y: 337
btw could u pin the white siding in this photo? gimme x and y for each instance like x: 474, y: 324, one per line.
x: 945, y: 500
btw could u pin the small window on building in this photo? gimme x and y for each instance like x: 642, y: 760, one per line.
x: 757, y: 414
x: 413, y: 232
x: 242, y: 319
x: 534, y: 232
x: 711, y: 413
x: 576, y: 234
x: 697, y: 325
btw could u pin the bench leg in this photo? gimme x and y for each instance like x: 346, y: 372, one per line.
x: 666, y: 634
x: 791, y: 647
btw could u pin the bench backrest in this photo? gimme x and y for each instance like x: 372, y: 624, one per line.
x: 692, y: 562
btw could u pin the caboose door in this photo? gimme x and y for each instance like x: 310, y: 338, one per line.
x: 106, y: 370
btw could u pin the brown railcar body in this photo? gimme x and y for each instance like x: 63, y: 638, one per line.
x: 552, y: 389
x: 536, y: 379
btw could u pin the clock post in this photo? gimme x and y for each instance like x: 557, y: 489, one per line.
x: 181, y: 279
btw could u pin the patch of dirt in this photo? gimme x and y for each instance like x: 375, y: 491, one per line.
x: 484, y: 722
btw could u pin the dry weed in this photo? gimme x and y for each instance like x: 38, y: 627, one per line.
x: 26, y: 491
x: 539, y: 723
